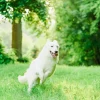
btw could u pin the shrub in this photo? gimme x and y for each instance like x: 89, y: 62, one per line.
x: 5, y: 58
x: 23, y: 60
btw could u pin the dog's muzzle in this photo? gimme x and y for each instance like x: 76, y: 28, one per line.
x: 55, y: 54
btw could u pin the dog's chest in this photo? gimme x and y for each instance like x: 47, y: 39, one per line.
x: 49, y: 65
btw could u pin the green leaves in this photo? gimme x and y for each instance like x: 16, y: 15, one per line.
x: 4, y: 58
x: 79, y: 26
x: 16, y: 8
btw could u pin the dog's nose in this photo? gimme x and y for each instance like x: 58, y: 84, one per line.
x: 56, y: 51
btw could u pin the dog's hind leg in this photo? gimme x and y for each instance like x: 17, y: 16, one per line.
x: 31, y: 83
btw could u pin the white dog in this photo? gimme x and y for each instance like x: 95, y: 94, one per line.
x: 43, y: 66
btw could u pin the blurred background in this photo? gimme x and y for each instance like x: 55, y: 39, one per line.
x: 25, y: 25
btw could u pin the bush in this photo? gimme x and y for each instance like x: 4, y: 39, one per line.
x: 78, y: 30
x: 4, y: 57
x: 23, y: 60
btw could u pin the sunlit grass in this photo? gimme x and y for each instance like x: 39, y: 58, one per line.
x: 67, y: 83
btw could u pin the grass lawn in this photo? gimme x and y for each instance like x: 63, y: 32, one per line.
x: 67, y: 83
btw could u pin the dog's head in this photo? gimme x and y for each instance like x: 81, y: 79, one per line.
x: 53, y: 48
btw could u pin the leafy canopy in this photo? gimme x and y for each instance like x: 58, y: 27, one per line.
x: 17, y: 8
x: 78, y: 24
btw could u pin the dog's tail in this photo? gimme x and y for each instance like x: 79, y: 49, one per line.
x: 22, y: 79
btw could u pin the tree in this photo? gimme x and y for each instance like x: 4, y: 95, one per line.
x: 17, y: 37
x: 78, y: 24
x: 15, y: 10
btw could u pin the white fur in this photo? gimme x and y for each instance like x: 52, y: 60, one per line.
x: 42, y: 67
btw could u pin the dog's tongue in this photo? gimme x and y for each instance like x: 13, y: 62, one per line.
x: 54, y: 55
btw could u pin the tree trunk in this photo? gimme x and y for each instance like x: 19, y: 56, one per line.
x: 17, y: 37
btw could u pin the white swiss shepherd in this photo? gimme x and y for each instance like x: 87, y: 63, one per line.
x: 43, y: 66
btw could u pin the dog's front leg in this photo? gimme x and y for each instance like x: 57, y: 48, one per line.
x: 41, y: 76
x: 46, y: 74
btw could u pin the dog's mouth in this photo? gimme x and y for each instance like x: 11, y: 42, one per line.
x: 54, y: 55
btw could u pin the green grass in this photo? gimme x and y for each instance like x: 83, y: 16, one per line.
x: 67, y: 83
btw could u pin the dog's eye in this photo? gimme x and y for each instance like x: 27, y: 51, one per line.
x: 52, y: 46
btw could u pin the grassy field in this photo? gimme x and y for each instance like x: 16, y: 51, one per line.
x: 67, y: 83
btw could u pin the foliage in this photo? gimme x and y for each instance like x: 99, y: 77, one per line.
x: 23, y: 60
x: 18, y: 8
x: 4, y: 57
x: 78, y: 29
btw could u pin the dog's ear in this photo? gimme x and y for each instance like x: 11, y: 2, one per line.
x: 56, y: 42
